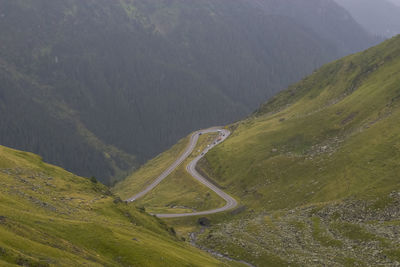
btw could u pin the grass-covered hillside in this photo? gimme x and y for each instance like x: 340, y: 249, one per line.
x: 318, y: 169
x: 50, y: 217
x: 333, y: 135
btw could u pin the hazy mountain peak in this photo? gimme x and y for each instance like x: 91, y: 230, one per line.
x: 379, y: 17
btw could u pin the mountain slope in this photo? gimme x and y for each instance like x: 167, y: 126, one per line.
x: 330, y: 21
x: 396, y: 2
x: 50, y: 217
x: 378, y: 17
x: 337, y: 115
x: 104, y: 85
x: 34, y: 119
x: 315, y: 169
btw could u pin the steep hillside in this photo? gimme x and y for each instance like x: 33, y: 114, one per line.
x: 317, y: 167
x: 50, y: 217
x: 345, y: 112
x: 100, y: 86
x: 380, y: 17
x: 316, y: 170
x: 330, y: 21
x: 32, y: 118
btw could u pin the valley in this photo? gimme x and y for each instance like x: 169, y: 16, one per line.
x: 102, y: 162
x: 315, y: 170
x: 107, y: 85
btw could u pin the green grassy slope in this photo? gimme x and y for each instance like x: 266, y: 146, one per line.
x: 50, y: 217
x: 317, y: 168
x: 333, y: 135
x: 143, y: 177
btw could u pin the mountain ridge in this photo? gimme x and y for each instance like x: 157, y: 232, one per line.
x: 378, y: 17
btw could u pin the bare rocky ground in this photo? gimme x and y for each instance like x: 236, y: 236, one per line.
x: 348, y: 233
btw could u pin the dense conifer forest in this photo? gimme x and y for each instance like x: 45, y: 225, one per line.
x: 99, y: 86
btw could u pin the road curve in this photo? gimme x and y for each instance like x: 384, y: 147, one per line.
x: 191, y: 168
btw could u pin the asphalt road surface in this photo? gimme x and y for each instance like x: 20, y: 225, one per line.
x: 191, y: 168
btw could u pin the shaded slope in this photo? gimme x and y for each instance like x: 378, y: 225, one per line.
x: 127, y: 79
x: 28, y: 110
x: 378, y: 17
x: 330, y: 21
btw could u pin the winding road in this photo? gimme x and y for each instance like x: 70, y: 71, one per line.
x: 191, y: 168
